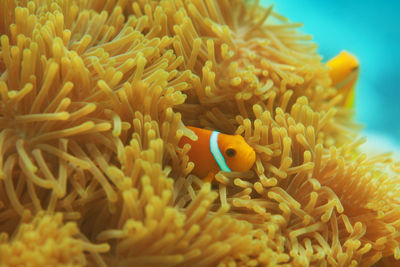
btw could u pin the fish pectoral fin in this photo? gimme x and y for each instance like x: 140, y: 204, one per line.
x: 210, y: 176
x: 349, y: 96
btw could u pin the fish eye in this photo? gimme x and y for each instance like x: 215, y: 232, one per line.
x: 230, y: 152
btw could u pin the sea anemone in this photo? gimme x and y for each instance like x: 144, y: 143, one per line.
x: 94, y: 98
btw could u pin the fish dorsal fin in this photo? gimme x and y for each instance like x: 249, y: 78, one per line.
x: 214, y: 148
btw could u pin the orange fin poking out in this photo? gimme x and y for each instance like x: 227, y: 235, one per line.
x: 344, y: 69
x: 214, y: 151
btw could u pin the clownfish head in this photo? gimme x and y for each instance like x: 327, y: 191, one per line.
x: 239, y: 156
x: 343, y: 68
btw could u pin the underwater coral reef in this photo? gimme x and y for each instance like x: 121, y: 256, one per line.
x: 95, y: 97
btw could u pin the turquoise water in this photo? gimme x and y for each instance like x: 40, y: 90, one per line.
x: 370, y: 30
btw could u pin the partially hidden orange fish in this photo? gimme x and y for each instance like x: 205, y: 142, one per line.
x: 344, y: 69
x: 214, y: 151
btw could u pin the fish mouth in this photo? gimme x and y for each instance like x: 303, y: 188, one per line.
x: 248, y: 160
x: 251, y: 156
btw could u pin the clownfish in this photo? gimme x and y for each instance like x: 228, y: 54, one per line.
x: 344, y: 69
x: 214, y: 151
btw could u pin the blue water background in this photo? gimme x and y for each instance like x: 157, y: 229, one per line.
x: 369, y: 29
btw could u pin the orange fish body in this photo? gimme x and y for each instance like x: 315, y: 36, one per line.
x: 344, y: 69
x: 213, y: 152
